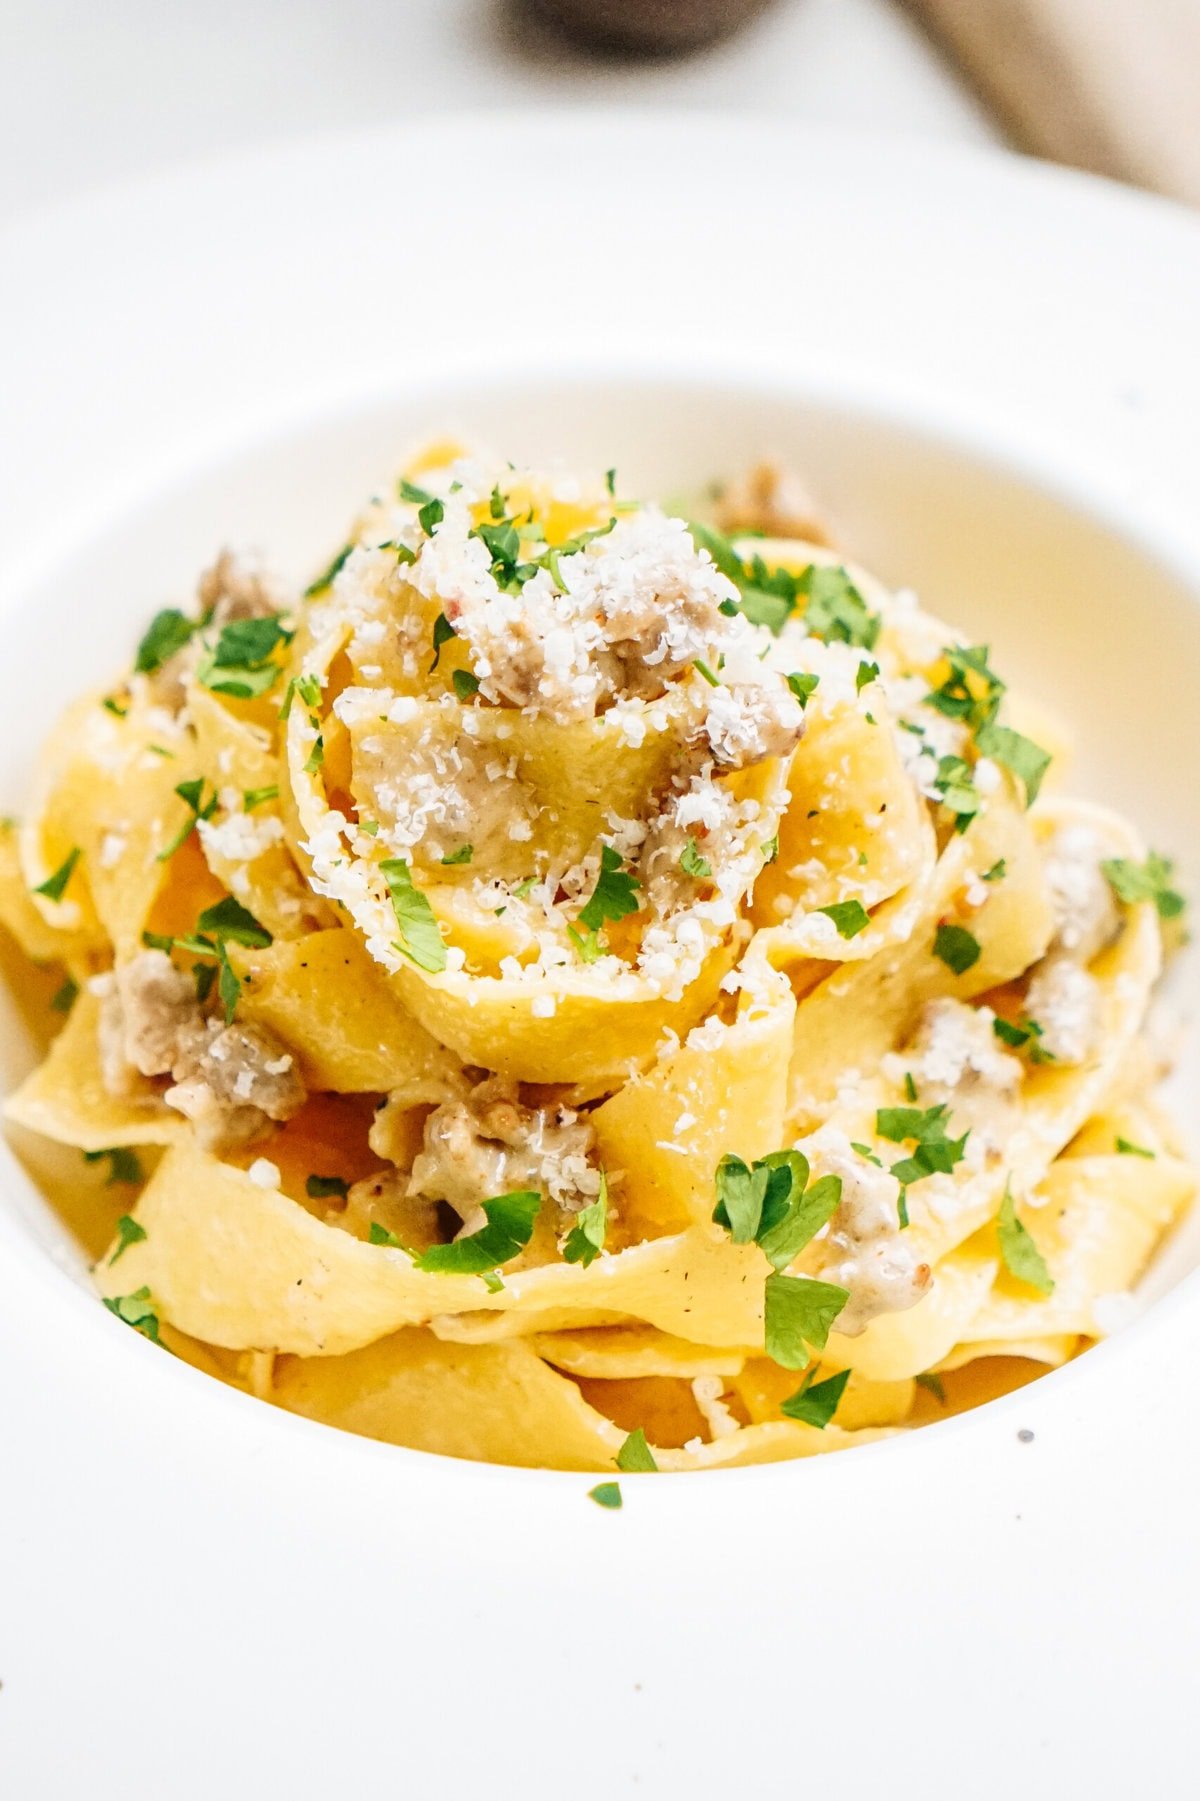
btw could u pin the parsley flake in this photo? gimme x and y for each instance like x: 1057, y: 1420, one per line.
x: 167, y: 632
x: 816, y: 1402
x: 804, y: 685
x: 136, y: 1310
x: 836, y: 611
x: 466, y: 684
x: 934, y: 1384
x: 332, y: 569
x: 124, y: 1166
x: 510, y: 1221
x: 258, y: 797
x: 420, y: 939
x: 239, y: 664
x: 1149, y: 881
x: 463, y: 854
x: 957, y: 948
x: 798, y: 1316
x: 692, y: 863
x: 614, y: 896
x: 380, y: 1235
x: 443, y: 631
x: 192, y: 795
x: 1128, y: 1149
x: 55, y: 886
x: 323, y: 1188
x: 997, y: 872
x: 608, y: 1495
x: 635, y: 1455
x: 1025, y: 759
x: 850, y: 917
x: 128, y: 1232
x: 1022, y: 1259
x: 864, y: 674
x: 63, y: 999
x: 228, y: 919
x: 585, y: 1240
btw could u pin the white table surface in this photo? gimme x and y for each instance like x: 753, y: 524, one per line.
x: 91, y: 94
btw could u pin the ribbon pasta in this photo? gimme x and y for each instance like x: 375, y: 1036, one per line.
x: 576, y: 989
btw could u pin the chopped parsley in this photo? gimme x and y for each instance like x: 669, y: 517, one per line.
x: 1026, y: 1035
x: 420, y: 939
x: 431, y: 515
x: 316, y: 755
x: 773, y: 1204
x: 1022, y: 1258
x: 1127, y: 1149
x: 865, y: 673
x: 332, y: 569
x: 585, y: 1240
x: 510, y: 1221
x: 610, y: 480
x: 112, y: 706
x: 997, y: 872
x: 380, y: 1235
x: 323, y: 1188
x: 258, y: 797
x: 466, y: 684
x: 586, y: 943
x: 228, y: 919
x: 934, y: 1384
x: 804, y: 685
x: 703, y: 669
x: 307, y: 687
x: 123, y: 1165
x: 463, y: 854
x: 956, y: 788
x: 798, y: 1316
x: 1149, y: 881
x: 167, y: 632
x: 136, y: 1310
x: 229, y: 984
x: 836, y: 611
x: 192, y: 795
x: 1025, y: 759
x: 63, y: 999
x: 55, y: 886
x: 614, y: 896
x: 418, y: 497
x: 816, y: 1402
x: 443, y: 631
x: 770, y: 850
x: 934, y: 1153
x: 240, y: 663
x: 692, y: 863
x: 850, y: 917
x: 635, y: 1455
x: 607, y: 1494
x: 128, y: 1232
x: 957, y: 948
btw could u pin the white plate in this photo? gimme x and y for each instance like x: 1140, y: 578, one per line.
x: 990, y: 370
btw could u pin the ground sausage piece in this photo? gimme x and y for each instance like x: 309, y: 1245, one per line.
x: 771, y: 498
x: 491, y: 1143
x: 157, y: 1005
x: 231, y: 1081
x: 864, y: 1249
x: 232, y: 590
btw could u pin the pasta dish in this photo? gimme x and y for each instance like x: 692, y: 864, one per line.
x: 587, y: 988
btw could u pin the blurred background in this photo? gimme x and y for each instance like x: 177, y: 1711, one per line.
x: 98, y: 92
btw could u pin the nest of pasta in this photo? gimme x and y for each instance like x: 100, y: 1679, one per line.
x: 584, y: 987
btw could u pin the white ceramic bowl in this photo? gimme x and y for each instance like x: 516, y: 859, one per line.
x: 988, y: 371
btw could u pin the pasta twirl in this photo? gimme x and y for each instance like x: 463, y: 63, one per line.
x: 599, y: 994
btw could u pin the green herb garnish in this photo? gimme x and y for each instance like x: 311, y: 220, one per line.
x: 55, y: 886
x: 1149, y: 881
x: 167, y: 632
x: 128, y: 1232
x: 585, y: 1240
x: 1022, y: 1258
x: 816, y: 1402
x: 322, y: 1188
x: 635, y: 1455
x: 692, y: 863
x: 510, y: 1221
x: 420, y: 939
x: 614, y: 896
x: 136, y: 1310
x: 850, y: 917
x: 957, y: 948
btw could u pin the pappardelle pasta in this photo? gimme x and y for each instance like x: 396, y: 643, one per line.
x: 584, y: 988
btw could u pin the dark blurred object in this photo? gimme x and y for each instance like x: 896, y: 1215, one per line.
x: 1107, y: 85
x: 653, y: 26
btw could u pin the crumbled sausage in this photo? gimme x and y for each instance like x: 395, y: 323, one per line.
x: 492, y: 1143
x: 230, y: 1080
x: 231, y: 590
x: 770, y: 498
x: 157, y: 1004
x: 864, y: 1249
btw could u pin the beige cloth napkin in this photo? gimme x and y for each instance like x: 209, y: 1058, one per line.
x: 1108, y: 85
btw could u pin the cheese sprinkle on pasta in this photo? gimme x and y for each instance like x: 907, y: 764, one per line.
x: 591, y: 991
